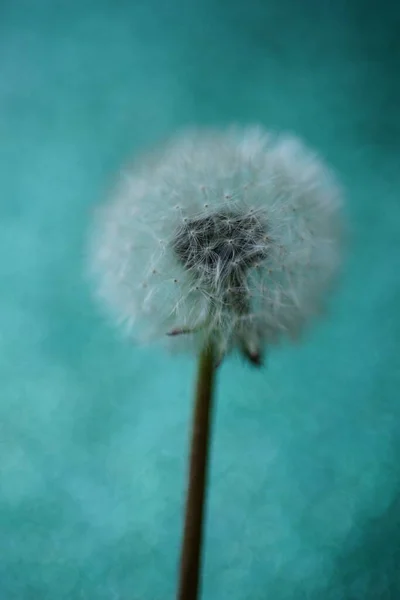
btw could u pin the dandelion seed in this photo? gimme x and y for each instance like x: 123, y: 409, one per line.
x: 283, y: 221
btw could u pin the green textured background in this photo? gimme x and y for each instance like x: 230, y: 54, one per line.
x: 305, y: 479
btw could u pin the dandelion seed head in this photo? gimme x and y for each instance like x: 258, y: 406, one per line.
x: 240, y: 231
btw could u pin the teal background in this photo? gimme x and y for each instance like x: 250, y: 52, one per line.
x: 304, y: 484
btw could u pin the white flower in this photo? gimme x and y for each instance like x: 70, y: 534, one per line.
x: 233, y: 235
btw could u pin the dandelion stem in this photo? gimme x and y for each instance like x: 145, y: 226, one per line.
x: 190, y: 567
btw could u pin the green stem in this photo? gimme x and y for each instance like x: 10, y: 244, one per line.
x: 190, y: 568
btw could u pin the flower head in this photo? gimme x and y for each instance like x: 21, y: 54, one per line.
x: 232, y: 235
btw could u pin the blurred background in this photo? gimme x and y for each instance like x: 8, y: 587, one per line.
x: 304, y: 486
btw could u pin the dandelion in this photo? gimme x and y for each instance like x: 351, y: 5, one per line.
x: 230, y: 235
x: 220, y: 241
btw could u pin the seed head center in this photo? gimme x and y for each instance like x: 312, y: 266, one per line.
x: 220, y: 245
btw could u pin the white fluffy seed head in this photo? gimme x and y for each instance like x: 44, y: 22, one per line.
x: 233, y: 234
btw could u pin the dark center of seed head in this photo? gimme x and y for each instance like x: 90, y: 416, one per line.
x: 220, y: 247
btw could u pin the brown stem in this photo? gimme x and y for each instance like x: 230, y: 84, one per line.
x: 190, y: 568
